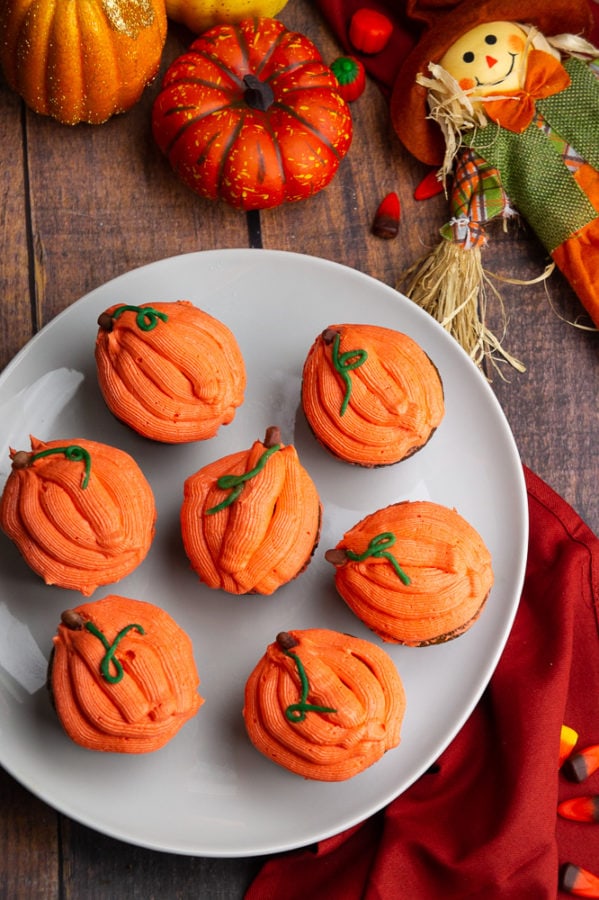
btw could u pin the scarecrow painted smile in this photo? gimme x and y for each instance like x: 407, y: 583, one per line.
x: 477, y: 58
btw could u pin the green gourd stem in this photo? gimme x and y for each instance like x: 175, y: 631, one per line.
x: 343, y: 364
x: 235, y: 483
x: 147, y: 317
x: 296, y: 712
x: 109, y: 656
x: 378, y: 547
x: 74, y: 453
x: 346, y: 70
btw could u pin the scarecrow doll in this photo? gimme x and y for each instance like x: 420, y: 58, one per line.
x: 503, y: 96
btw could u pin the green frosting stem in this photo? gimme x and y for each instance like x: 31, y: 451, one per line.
x: 378, y: 547
x: 74, y: 453
x: 344, y: 363
x: 235, y: 483
x: 147, y: 317
x: 296, y: 712
x: 109, y: 656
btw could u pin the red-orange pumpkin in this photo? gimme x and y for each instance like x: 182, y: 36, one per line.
x: 251, y: 115
x: 81, y: 60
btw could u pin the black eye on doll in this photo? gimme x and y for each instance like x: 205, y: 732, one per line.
x: 490, y: 39
x: 468, y: 57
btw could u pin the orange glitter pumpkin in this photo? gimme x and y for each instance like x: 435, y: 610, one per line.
x: 170, y: 371
x: 122, y: 676
x: 250, y: 521
x: 370, y: 394
x: 324, y: 705
x: 81, y: 513
x: 252, y: 115
x: 81, y: 60
x: 416, y: 573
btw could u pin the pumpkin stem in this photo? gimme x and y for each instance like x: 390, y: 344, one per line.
x: 258, y: 94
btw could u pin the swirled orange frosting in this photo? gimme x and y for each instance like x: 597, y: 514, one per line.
x: 377, y: 409
x: 353, y: 680
x: 156, y: 693
x: 76, y: 536
x: 264, y: 538
x: 175, y: 382
x: 447, y: 564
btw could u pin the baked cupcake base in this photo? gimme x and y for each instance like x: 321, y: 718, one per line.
x: 371, y: 395
x: 250, y: 521
x: 81, y: 513
x: 415, y: 573
x: 122, y: 676
x: 324, y: 705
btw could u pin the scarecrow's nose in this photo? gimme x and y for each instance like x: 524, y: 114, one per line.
x: 490, y: 61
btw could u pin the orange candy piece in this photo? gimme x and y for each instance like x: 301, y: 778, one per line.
x: 580, y: 809
x: 416, y: 573
x: 382, y: 406
x: 170, y: 371
x: 133, y: 698
x: 266, y: 535
x: 78, y: 524
x: 330, y: 715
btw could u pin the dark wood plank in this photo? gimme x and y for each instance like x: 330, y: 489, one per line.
x: 97, y: 867
x: 552, y: 407
x: 14, y: 272
x: 29, y: 852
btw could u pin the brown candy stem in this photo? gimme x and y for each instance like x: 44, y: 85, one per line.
x: 286, y: 641
x: 105, y: 321
x: 329, y: 334
x: 72, y: 619
x: 337, y: 557
x: 272, y: 436
x: 21, y: 459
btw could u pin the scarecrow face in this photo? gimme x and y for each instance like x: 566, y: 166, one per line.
x: 489, y: 59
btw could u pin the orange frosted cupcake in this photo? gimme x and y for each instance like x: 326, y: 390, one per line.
x: 250, y: 521
x: 122, y: 676
x: 81, y: 513
x: 416, y: 573
x: 370, y: 394
x: 324, y: 705
x: 170, y: 371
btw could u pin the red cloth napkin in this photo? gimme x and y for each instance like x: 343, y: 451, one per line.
x: 484, y: 825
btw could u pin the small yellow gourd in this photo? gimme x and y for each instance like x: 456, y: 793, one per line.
x: 198, y: 15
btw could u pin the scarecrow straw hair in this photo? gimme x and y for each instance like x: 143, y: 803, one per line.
x: 450, y: 284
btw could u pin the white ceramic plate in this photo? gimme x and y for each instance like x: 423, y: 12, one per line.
x: 208, y: 792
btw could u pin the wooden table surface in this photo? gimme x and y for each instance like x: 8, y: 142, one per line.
x: 82, y: 205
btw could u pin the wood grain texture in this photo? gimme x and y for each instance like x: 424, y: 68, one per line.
x: 15, y: 310
x: 29, y: 846
x: 79, y: 206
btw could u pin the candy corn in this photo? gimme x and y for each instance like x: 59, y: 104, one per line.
x: 386, y: 220
x: 567, y: 741
x: 429, y: 186
x: 581, y: 765
x: 578, y: 881
x: 580, y: 809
